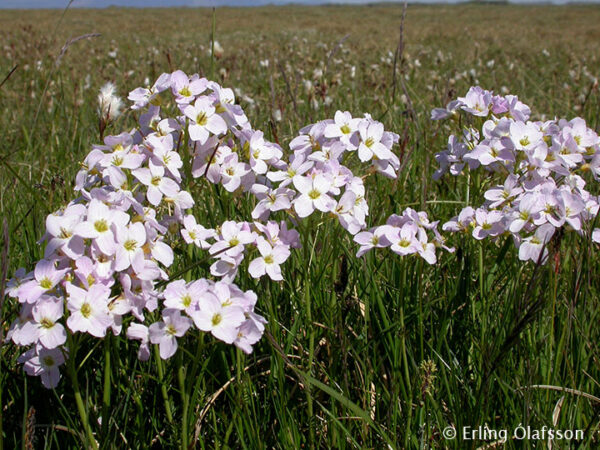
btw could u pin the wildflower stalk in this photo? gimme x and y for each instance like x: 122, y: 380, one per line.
x: 25, y: 408
x: 482, y: 286
x: 107, y: 384
x: 193, y: 391
x: 421, y: 320
x: 308, y: 256
x: 163, y: 387
x: 406, y: 388
x: 311, y: 354
x: 78, y: 398
x: 184, y: 400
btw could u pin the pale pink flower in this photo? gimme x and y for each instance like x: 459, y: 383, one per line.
x: 130, y: 252
x: 184, y: 296
x: 165, y: 333
x: 158, y: 184
x: 60, y: 229
x: 270, y: 200
x: 487, y: 223
x: 531, y: 247
x: 260, y: 152
x: 99, y: 225
x: 298, y: 166
x: 89, y: 309
x: 44, y: 363
x: 140, y: 332
x: 195, y: 233
x: 142, y: 96
x: 46, y: 314
x: 344, y: 128
x: 314, y: 195
x: 248, y: 334
x: 232, y: 172
x: 220, y: 320
x: 235, y: 236
x: 46, y: 277
x: 269, y: 260
x: 163, y: 153
x: 186, y: 88
x: 374, y: 238
x: 204, y: 120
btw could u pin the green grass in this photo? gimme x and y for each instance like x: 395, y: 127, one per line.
x: 359, y: 352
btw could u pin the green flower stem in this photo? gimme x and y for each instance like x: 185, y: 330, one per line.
x: 79, y: 400
x: 184, y: 400
x: 311, y: 355
x: 107, y: 384
x: 163, y: 387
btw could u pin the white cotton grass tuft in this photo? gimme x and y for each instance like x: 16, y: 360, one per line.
x: 109, y: 104
x: 217, y: 48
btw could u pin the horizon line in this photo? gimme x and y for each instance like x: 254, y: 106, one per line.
x: 313, y: 3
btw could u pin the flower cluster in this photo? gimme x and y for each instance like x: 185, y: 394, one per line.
x: 316, y: 178
x: 404, y: 235
x: 319, y: 178
x: 319, y: 168
x: 543, y: 165
x: 107, y: 252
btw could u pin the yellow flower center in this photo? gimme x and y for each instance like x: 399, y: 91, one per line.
x: 64, y: 234
x: 201, y: 119
x: 48, y: 361
x: 86, y: 310
x: 101, y: 226
x: 46, y: 323
x: 45, y: 283
x: 130, y: 245
x: 216, y: 319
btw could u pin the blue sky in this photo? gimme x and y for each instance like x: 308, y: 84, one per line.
x: 209, y: 3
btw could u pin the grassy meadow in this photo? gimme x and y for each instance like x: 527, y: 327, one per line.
x: 360, y: 353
